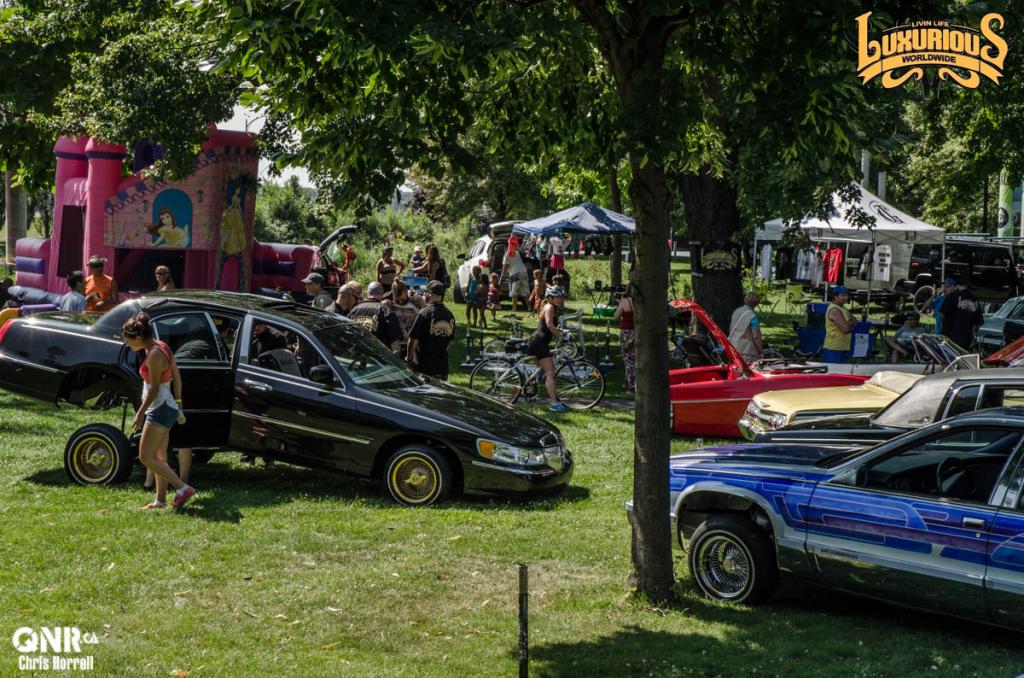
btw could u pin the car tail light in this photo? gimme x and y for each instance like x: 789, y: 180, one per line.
x: 483, y: 263
x: 3, y: 329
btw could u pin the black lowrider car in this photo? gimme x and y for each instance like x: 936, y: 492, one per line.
x: 287, y: 382
x: 932, y: 398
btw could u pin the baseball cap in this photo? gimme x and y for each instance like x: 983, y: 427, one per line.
x: 436, y: 287
x: 417, y: 249
x: 314, y: 278
x: 949, y: 282
x: 839, y: 289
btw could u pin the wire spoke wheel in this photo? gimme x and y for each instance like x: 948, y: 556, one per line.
x: 723, y: 567
x: 93, y: 458
x: 414, y: 479
x: 579, y: 384
x: 497, y: 378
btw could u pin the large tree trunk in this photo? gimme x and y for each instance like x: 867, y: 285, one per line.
x: 652, y: 532
x: 616, y: 193
x: 709, y: 203
x: 636, y: 59
x: 15, y: 213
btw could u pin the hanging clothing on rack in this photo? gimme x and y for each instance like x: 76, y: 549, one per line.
x: 864, y: 268
x: 882, y: 265
x: 765, y: 271
x: 833, y: 264
x: 816, y: 267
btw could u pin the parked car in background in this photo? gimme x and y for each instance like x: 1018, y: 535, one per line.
x: 930, y: 399
x: 710, y: 396
x: 1002, y: 327
x: 331, y: 397
x: 775, y: 409
x: 987, y: 266
x: 1011, y: 355
x: 484, y: 252
x: 933, y: 519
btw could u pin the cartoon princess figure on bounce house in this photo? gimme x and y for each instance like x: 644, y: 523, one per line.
x: 199, y: 227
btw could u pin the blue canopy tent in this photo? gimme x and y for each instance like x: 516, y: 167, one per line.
x: 586, y: 218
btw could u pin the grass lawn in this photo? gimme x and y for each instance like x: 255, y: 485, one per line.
x: 289, y: 572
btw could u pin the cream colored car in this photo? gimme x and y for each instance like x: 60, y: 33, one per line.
x: 774, y: 409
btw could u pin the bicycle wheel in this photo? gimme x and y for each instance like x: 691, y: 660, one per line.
x: 579, y: 384
x: 923, y: 299
x: 497, y: 378
x: 567, y: 348
x: 495, y: 348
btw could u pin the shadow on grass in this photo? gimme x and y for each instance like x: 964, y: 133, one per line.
x: 774, y: 635
x: 226, y: 490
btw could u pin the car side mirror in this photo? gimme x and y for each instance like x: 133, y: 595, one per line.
x: 462, y: 256
x: 321, y: 374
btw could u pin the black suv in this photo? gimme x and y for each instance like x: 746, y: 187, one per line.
x: 988, y: 267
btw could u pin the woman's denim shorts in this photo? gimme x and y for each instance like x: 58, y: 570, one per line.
x: 165, y: 416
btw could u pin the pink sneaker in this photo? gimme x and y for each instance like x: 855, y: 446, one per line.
x: 182, y: 496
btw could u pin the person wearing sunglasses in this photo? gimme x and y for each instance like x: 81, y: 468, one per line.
x: 101, y: 292
x: 164, y: 281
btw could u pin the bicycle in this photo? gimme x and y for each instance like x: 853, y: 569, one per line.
x: 578, y: 382
x: 497, y: 347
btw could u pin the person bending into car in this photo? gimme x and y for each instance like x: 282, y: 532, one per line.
x: 160, y: 408
x: 539, y: 345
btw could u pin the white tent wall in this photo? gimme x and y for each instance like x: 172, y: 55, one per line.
x: 892, y: 227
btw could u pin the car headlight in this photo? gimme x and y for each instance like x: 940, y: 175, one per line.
x: 522, y: 456
x: 776, y: 420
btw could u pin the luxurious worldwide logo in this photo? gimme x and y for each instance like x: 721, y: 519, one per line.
x: 960, y: 53
x: 47, y: 649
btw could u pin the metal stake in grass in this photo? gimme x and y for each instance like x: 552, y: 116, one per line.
x: 524, y: 639
x: 471, y: 361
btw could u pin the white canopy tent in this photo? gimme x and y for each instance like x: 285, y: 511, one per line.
x: 892, y: 227
x: 891, y: 224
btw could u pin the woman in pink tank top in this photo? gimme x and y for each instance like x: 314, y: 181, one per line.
x: 160, y: 408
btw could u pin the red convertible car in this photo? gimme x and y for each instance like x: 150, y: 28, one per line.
x: 709, y: 399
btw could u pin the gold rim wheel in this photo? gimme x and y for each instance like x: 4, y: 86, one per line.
x: 415, y: 479
x: 93, y: 458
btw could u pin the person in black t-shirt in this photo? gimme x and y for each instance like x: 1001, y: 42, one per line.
x: 430, y: 335
x: 377, y: 318
x: 961, y: 316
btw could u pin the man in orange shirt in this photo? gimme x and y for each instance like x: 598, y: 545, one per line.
x: 100, y: 290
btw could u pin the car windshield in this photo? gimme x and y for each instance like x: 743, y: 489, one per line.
x: 365, y: 359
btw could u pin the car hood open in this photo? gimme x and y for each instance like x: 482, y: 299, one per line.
x: 467, y: 409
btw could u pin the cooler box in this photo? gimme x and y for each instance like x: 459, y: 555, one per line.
x: 415, y: 281
x: 603, y: 311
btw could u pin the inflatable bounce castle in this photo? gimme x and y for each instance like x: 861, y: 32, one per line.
x: 200, y: 227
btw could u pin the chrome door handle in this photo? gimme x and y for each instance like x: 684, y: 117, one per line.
x: 257, y: 386
x: 974, y: 523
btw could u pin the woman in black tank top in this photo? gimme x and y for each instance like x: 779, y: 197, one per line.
x: 540, y: 342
